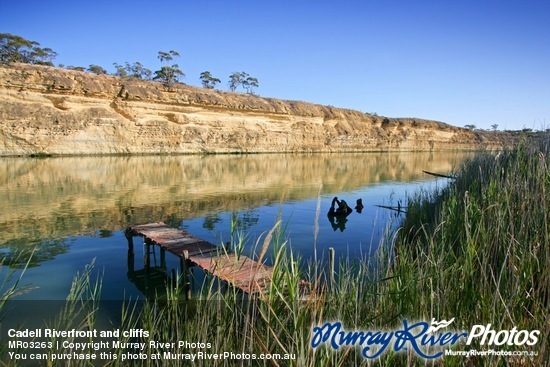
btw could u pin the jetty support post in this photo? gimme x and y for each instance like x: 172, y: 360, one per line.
x: 162, y: 257
x: 129, y: 237
x: 331, y: 261
x: 174, y: 281
x: 147, y: 253
x: 184, y: 266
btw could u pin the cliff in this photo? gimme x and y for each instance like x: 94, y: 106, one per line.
x: 47, y: 110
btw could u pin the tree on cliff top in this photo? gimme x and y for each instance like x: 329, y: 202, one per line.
x: 18, y: 49
x: 208, y: 81
x: 236, y: 79
x: 244, y: 80
x: 167, y: 56
x: 249, y: 84
x: 96, y: 69
x: 168, y: 75
x: 135, y: 70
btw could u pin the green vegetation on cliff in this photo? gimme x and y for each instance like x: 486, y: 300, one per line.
x: 18, y: 49
x: 15, y: 48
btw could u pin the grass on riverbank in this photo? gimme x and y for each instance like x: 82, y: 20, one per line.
x: 477, y: 251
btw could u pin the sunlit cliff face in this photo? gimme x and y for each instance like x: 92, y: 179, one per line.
x: 46, y: 110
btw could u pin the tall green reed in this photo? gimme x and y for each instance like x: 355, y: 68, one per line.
x: 476, y: 250
x: 462, y: 252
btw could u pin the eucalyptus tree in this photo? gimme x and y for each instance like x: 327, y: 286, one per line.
x: 15, y: 48
x: 167, y: 56
x: 208, y: 81
x: 96, y: 69
x: 235, y: 80
x: 242, y: 79
x: 135, y: 70
x: 168, y: 74
x: 249, y: 84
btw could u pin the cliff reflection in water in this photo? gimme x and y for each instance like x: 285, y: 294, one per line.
x: 53, y: 198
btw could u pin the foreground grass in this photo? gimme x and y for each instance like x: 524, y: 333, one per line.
x: 477, y: 251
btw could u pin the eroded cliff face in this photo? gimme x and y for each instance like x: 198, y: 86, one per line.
x: 46, y: 110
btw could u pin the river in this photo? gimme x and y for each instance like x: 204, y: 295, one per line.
x: 70, y: 211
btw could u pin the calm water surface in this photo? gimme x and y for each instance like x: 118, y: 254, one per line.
x: 74, y: 210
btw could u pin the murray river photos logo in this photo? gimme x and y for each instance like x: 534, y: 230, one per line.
x: 427, y: 340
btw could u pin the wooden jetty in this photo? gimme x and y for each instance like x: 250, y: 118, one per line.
x: 237, y: 270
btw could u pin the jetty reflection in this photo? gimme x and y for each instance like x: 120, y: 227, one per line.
x: 152, y: 279
x: 51, y: 199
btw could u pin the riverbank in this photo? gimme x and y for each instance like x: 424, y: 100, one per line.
x: 475, y: 252
x: 48, y: 111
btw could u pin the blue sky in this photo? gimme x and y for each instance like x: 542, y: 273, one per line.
x: 462, y: 62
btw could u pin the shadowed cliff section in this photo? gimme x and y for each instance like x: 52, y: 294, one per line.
x: 47, y: 110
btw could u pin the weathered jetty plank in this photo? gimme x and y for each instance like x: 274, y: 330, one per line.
x: 242, y: 272
x: 238, y: 270
x: 173, y: 240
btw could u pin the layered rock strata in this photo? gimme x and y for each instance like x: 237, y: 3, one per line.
x: 47, y: 110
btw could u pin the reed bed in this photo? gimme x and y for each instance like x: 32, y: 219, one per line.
x: 476, y: 250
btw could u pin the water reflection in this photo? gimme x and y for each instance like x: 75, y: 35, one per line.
x: 151, y: 279
x: 46, y: 201
x: 25, y: 252
x: 359, y: 206
x: 338, y: 212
